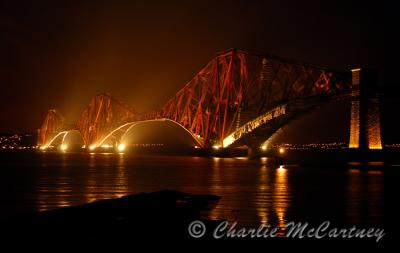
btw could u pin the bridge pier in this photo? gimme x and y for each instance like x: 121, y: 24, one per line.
x: 365, y: 132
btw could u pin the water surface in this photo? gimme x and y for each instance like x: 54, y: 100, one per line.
x: 252, y: 191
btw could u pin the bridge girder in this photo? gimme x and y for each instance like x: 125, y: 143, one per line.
x: 52, y: 124
x: 103, y: 114
x: 238, y: 86
x: 259, y: 130
x: 231, y: 90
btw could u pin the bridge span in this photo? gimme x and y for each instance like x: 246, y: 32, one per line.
x: 238, y: 98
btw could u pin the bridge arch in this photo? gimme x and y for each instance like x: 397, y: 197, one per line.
x: 65, y: 140
x: 235, y: 91
x: 165, y: 120
x: 124, y: 133
x: 257, y: 132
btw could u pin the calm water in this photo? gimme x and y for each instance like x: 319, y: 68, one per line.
x: 252, y: 191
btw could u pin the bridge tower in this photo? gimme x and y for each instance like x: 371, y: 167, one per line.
x: 365, y: 130
x: 52, y: 124
x: 103, y: 114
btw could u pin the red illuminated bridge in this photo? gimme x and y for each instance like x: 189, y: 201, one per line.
x: 238, y: 98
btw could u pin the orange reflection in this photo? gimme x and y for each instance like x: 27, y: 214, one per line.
x: 121, y: 181
x: 263, y: 198
x: 55, y: 192
x: 223, y: 183
x: 103, y: 182
x: 364, y: 193
x: 375, y: 194
x: 353, y: 194
x: 375, y: 172
x: 216, y: 187
x: 281, y: 200
x: 354, y: 171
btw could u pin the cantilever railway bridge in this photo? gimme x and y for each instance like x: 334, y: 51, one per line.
x: 237, y: 98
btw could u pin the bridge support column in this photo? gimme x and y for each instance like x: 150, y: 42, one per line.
x: 365, y: 132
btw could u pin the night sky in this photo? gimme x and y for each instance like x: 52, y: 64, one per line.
x: 57, y: 54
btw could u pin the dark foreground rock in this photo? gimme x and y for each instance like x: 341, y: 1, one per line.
x: 162, y: 215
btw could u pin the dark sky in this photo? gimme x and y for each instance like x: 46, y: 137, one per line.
x: 56, y: 54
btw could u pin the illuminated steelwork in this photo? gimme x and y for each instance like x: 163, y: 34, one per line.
x: 238, y: 98
x: 237, y: 86
x: 250, y: 126
x: 52, y: 125
x: 103, y: 114
x: 119, y: 133
x: 52, y: 140
x: 64, y: 140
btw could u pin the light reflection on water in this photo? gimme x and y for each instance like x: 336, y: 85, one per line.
x: 361, y: 186
x: 107, y: 183
x: 263, y: 199
x: 281, y: 195
x: 252, y: 191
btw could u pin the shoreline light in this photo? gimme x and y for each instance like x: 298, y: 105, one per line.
x: 121, y: 147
